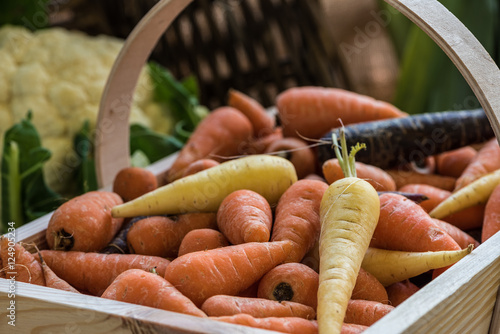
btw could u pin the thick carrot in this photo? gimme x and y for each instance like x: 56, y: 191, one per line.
x: 297, y: 151
x: 377, y: 177
x: 434, y: 194
x: 84, y: 223
x: 224, y: 271
x: 297, y: 216
x: 368, y: 287
x: 312, y: 111
x: 293, y: 281
x: 349, y: 213
x: 199, y: 165
x: 353, y: 328
x: 245, y: 216
x: 467, y: 219
x: 94, y: 272
x: 140, y: 287
x: 365, y: 312
x: 162, y: 236
x: 132, y: 182
x: 486, y: 160
x: 267, y: 175
x: 19, y: 264
x: 462, y: 238
x: 475, y: 193
x: 291, y: 325
x: 221, y: 133
x: 259, y: 145
x: 52, y: 280
x: 403, y: 178
x: 400, y: 291
x: 224, y: 305
x: 262, y: 123
x: 453, y: 163
x: 491, y: 222
x: 202, y: 239
x: 390, y: 266
x: 404, y: 226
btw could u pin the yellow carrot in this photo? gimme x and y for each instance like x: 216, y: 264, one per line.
x: 349, y: 212
x: 267, y: 175
x: 395, y: 266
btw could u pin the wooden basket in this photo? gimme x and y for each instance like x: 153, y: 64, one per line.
x: 461, y: 300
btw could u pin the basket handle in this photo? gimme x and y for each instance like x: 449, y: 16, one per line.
x: 112, y: 130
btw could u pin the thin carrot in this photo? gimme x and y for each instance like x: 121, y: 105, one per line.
x: 84, y: 223
x: 291, y: 325
x: 297, y: 151
x: 404, y: 226
x: 462, y: 238
x: 224, y: 271
x: 259, y: 145
x: 293, y: 281
x: 245, y: 216
x: 368, y: 287
x: 312, y: 111
x: 221, y: 133
x: 297, y: 216
x: 19, y: 264
x: 476, y: 192
x: 400, y: 291
x: 377, y: 177
x: 52, y: 280
x: 199, y: 165
x: 100, y: 269
x: 224, y: 305
x: 262, y: 122
x: 434, y: 194
x: 202, y: 239
x: 403, y: 178
x: 486, y: 160
x: 133, y: 182
x: 365, y: 312
x: 491, y: 222
x: 453, y: 163
x: 162, y: 236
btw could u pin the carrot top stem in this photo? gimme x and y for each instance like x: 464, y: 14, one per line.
x: 346, y: 160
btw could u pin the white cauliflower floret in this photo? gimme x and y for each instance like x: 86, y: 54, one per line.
x: 60, y: 75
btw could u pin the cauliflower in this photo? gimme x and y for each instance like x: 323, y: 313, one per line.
x: 60, y: 75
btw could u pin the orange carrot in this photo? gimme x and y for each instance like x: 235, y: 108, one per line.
x: 94, y: 272
x: 202, y: 239
x: 52, y: 280
x: 263, y: 124
x: 487, y: 160
x: 491, y: 222
x: 434, y: 195
x: 467, y: 219
x: 140, y: 287
x: 162, y: 236
x: 293, y: 281
x: 251, y: 291
x: 313, y: 111
x: 224, y: 271
x: 353, y: 328
x: 199, y: 165
x: 245, y: 216
x: 404, y: 226
x: 223, y: 305
x: 453, y: 163
x: 369, y: 288
x: 259, y: 145
x: 297, y: 216
x: 297, y: 151
x: 462, y: 238
x: 132, y: 182
x: 400, y: 291
x: 291, y: 325
x: 19, y: 264
x: 403, y: 178
x: 365, y: 312
x: 84, y: 223
x: 222, y: 133
x: 377, y: 177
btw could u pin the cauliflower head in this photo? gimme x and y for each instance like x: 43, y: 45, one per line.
x: 60, y: 75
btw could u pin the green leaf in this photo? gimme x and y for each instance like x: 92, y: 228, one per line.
x: 86, y: 176
x: 154, y: 145
x: 32, y: 14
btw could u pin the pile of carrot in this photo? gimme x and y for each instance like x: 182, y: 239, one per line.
x: 251, y: 239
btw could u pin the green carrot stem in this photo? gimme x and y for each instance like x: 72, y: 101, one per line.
x: 346, y: 160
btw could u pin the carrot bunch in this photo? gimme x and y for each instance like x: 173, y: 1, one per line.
x: 248, y: 227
